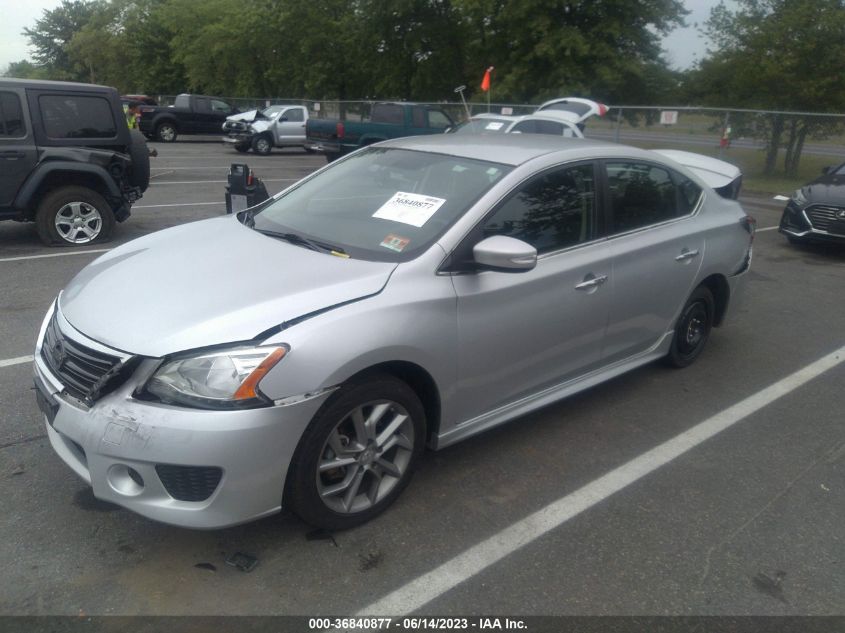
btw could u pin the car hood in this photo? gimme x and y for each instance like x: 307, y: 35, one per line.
x: 208, y: 283
x: 829, y: 189
x: 244, y: 116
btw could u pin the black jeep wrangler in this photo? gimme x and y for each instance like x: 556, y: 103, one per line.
x: 68, y: 161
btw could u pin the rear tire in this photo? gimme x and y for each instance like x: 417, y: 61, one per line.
x: 693, y: 329
x: 74, y: 216
x: 374, y: 429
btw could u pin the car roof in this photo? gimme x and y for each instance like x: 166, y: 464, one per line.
x: 514, y: 149
x: 51, y: 85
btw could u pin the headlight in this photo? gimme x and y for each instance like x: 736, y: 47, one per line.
x: 799, y: 198
x: 227, y: 379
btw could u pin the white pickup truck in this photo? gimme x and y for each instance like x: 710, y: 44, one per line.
x: 262, y: 130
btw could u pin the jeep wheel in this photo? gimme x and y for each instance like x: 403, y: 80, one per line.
x: 73, y: 216
x: 262, y: 145
x: 166, y: 132
x: 241, y: 148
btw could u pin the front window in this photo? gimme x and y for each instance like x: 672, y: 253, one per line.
x: 381, y: 204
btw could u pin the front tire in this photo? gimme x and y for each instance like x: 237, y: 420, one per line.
x: 166, y: 132
x: 242, y: 148
x: 693, y: 328
x: 74, y: 216
x: 358, y: 453
x: 262, y: 145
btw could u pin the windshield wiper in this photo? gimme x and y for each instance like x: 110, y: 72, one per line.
x: 295, y: 238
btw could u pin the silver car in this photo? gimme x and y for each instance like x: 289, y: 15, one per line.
x: 303, y: 352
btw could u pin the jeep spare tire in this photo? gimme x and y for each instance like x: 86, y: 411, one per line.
x: 139, y: 173
x: 74, y: 216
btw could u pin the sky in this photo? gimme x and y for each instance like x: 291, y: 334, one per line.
x: 683, y: 46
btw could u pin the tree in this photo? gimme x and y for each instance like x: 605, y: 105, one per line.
x: 777, y: 55
x: 25, y: 69
x: 52, y: 34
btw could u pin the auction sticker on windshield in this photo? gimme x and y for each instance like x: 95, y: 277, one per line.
x: 409, y: 208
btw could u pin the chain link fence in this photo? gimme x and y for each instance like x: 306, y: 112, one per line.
x: 781, y: 147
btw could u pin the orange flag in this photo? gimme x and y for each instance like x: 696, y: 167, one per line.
x: 485, y: 83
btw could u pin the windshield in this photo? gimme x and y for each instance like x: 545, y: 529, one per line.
x: 380, y: 204
x: 485, y: 126
x: 272, y: 110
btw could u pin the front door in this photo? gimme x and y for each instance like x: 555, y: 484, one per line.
x: 520, y: 332
x: 291, y: 130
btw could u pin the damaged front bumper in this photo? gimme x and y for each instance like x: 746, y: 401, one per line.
x: 192, y: 468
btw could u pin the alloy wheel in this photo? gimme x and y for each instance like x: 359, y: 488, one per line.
x: 78, y: 223
x: 365, y: 456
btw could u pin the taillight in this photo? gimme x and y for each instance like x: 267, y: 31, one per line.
x: 250, y: 178
x: 750, y: 225
x: 341, y: 130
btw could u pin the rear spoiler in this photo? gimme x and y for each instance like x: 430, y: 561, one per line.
x: 723, y: 177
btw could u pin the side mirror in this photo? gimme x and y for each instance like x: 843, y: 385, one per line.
x: 505, y: 254
x: 282, y: 119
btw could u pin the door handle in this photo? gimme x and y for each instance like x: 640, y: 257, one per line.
x: 685, y: 255
x: 11, y: 155
x: 592, y: 282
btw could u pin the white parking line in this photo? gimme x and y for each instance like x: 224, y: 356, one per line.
x: 422, y: 590
x: 176, y: 204
x: 63, y: 254
x: 206, y: 182
x: 15, y: 361
x: 767, y: 228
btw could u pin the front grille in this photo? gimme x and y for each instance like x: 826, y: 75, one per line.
x: 822, y: 215
x: 189, y: 483
x: 235, y: 126
x: 86, y: 373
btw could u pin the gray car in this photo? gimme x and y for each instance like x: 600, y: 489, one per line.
x: 304, y: 352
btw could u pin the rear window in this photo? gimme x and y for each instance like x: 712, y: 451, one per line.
x: 11, y: 116
x: 577, y: 108
x: 71, y: 116
x: 388, y: 113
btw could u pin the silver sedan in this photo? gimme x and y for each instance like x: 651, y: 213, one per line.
x: 305, y: 351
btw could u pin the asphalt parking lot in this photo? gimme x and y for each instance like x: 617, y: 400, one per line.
x: 746, y: 522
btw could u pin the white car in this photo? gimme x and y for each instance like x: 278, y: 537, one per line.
x: 559, y: 117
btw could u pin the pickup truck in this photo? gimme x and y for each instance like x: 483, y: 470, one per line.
x: 334, y: 137
x: 262, y: 130
x: 190, y: 114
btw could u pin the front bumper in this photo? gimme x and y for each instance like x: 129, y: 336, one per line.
x: 795, y: 223
x: 124, y: 447
x: 243, y: 138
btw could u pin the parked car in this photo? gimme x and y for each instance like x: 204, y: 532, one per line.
x: 525, y: 124
x: 70, y: 163
x: 336, y: 138
x: 262, y: 130
x: 816, y: 211
x: 190, y: 114
x: 142, y: 99
x: 414, y: 293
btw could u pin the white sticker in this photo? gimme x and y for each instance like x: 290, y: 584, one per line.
x: 494, y: 125
x: 409, y: 208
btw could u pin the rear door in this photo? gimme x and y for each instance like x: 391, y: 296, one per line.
x: 520, y: 332
x: 17, y: 145
x: 657, y: 252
